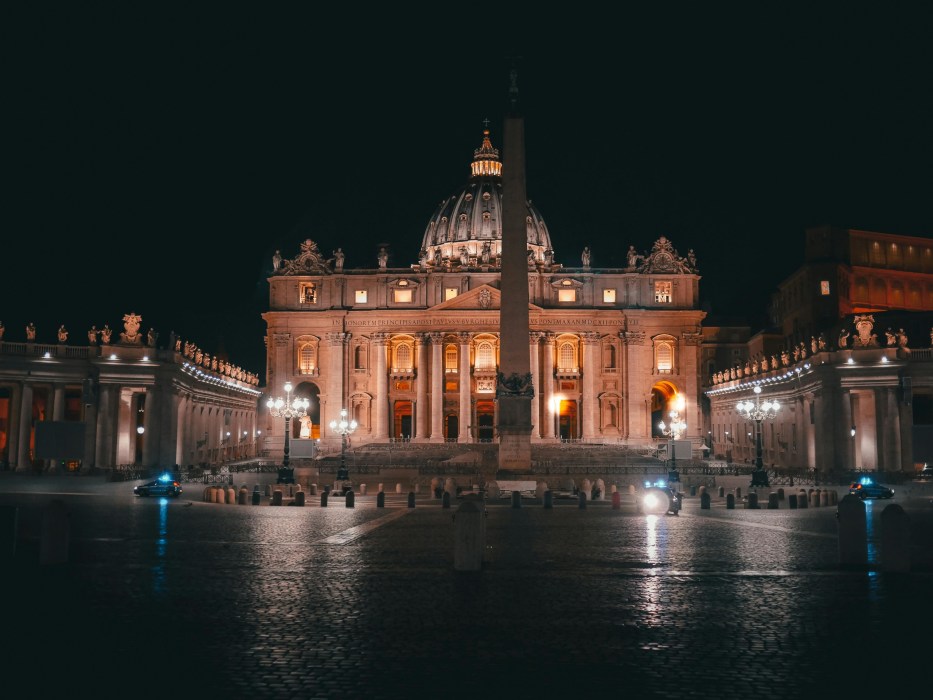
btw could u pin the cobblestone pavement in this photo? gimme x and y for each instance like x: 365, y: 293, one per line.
x: 163, y: 596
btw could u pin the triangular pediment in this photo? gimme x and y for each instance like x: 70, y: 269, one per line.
x: 483, y: 298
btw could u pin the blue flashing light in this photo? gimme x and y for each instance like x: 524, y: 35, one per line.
x: 165, y: 478
x: 865, y: 481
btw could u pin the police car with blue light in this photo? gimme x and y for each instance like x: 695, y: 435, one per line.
x: 660, y: 497
x: 867, y: 488
x: 165, y: 485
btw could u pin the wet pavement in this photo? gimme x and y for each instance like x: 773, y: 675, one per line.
x: 161, y: 596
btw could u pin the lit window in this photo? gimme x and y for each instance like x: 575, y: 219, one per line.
x: 360, y: 296
x: 402, y: 296
x: 485, y: 356
x: 308, y: 293
x: 450, y: 358
x: 824, y: 287
x: 609, y: 296
x: 403, y: 357
x: 663, y: 293
x: 307, y: 359
x: 664, y: 356
x: 450, y: 293
x: 566, y: 295
x: 566, y: 357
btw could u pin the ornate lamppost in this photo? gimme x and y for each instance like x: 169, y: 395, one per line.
x: 287, y: 408
x: 757, y: 412
x: 674, y: 430
x: 344, y: 428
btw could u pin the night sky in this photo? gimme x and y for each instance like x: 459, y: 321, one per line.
x: 155, y: 160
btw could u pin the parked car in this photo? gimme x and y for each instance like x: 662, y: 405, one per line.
x: 866, y: 488
x: 163, y: 486
x: 926, y: 473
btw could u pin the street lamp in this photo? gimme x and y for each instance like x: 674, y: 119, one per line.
x: 678, y: 425
x: 344, y: 428
x: 757, y: 412
x: 287, y: 408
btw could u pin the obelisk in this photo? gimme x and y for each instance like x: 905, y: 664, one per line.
x: 514, y: 388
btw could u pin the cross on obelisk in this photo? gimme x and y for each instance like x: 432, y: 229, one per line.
x: 514, y: 388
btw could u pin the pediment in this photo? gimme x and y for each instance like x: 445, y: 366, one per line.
x: 483, y: 298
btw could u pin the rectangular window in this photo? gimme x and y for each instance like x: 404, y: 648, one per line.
x: 360, y: 296
x: 402, y: 296
x: 566, y: 295
x: 824, y: 287
x: 609, y: 296
x: 663, y: 292
x: 449, y: 293
x: 307, y: 293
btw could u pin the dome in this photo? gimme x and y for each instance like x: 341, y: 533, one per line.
x: 466, y: 229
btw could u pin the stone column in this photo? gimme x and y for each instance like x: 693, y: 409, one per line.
x: 336, y: 376
x: 16, y: 417
x: 421, y: 406
x: 547, y: 388
x: 905, y: 414
x: 589, y: 403
x: 58, y: 414
x: 637, y: 388
x: 151, y: 426
x: 23, y: 461
x: 89, y: 459
x: 437, y: 387
x: 464, y: 367
x: 534, y: 339
x: 106, y: 427
x: 888, y: 429
x: 381, y: 429
x: 845, y: 456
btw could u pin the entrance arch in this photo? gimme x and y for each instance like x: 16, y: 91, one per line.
x: 485, y: 420
x: 401, y: 420
x: 310, y: 391
x: 663, y: 396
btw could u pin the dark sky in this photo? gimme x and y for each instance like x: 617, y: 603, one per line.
x: 155, y: 159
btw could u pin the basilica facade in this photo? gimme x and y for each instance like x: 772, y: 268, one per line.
x: 412, y: 353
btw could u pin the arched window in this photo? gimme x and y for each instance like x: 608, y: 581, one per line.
x: 403, y: 356
x: 609, y: 356
x: 664, y: 357
x: 359, y: 357
x: 450, y: 358
x: 307, y: 359
x: 485, y: 356
x: 566, y: 357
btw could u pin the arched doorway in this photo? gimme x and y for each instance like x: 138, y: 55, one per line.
x: 451, y: 426
x: 401, y: 420
x: 663, y: 396
x: 307, y: 390
x: 485, y: 419
x: 567, y: 420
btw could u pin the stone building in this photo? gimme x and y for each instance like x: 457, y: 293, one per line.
x: 411, y: 349
x: 849, y: 360
x: 119, y: 401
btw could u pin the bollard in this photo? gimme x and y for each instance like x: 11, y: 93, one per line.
x: 300, y: 498
x: 516, y: 499
x: 469, y: 537
x: 257, y: 496
x: 231, y: 495
x: 411, y: 499
x: 780, y: 494
x: 616, y: 500
x: 351, y: 499
x: 9, y: 516
x: 582, y: 500
x: 853, y: 532
x: 730, y: 502
x: 693, y: 490
x: 314, y: 489
x: 738, y: 492
x: 772, y: 501
x: 445, y: 500
x: 722, y: 491
x: 243, y: 496
x: 802, y: 499
x: 752, y: 502
x: 812, y: 498
x: 381, y: 498
x: 704, y: 501
x: 895, y: 539
x: 362, y: 489
x: 324, y: 498
x: 548, y: 499
x: 792, y: 501
x: 833, y: 497
x: 398, y: 488
x: 56, y: 534
x: 277, y: 497
x: 824, y: 497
